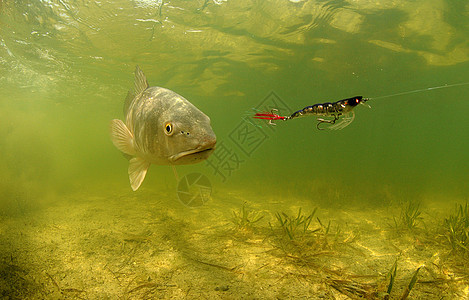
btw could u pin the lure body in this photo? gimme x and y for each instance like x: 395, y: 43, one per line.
x: 330, y: 109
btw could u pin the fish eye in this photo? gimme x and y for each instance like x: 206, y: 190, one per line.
x: 168, y: 128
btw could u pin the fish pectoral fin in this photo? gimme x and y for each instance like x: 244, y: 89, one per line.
x: 121, y: 137
x: 137, y: 170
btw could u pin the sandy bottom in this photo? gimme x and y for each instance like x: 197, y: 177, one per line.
x: 146, y: 245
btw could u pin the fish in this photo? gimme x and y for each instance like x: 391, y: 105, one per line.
x: 162, y: 128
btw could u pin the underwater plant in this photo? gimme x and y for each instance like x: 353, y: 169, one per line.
x: 411, y: 284
x: 295, y: 236
x: 244, y: 219
x: 410, y: 215
x: 457, y: 227
x: 392, y: 278
x: 292, y: 226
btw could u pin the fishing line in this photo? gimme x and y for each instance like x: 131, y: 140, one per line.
x: 421, y: 90
x: 341, y: 110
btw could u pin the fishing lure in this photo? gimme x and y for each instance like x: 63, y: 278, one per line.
x: 334, y: 111
x: 341, y: 111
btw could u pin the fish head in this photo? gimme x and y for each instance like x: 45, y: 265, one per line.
x: 188, y: 137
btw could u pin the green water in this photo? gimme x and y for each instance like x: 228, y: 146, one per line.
x: 66, y: 67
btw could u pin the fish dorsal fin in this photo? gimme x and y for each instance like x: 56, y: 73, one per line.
x: 137, y: 170
x: 121, y: 137
x: 140, y: 83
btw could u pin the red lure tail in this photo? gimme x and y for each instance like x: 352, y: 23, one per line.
x: 268, y: 116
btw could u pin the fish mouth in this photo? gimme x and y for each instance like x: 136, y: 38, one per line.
x: 194, y: 152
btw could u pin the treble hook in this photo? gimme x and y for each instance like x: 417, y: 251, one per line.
x: 321, y: 120
x: 272, y: 112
